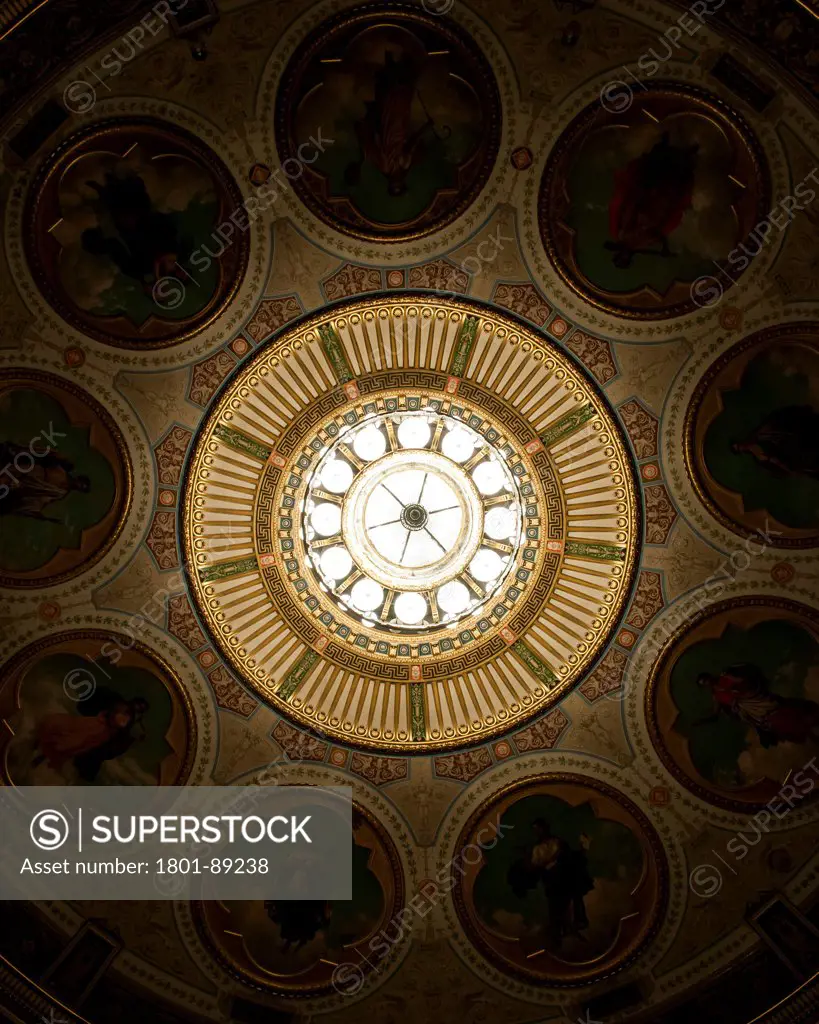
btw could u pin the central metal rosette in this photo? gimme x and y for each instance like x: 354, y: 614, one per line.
x: 412, y: 520
x: 414, y: 517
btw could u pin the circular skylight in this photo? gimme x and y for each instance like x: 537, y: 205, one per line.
x: 412, y: 520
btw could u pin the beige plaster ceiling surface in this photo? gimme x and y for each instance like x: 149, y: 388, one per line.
x: 641, y: 372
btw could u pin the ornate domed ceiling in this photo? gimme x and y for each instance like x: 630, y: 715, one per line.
x: 421, y: 398
x: 421, y: 537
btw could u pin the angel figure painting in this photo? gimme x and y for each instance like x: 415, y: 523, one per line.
x: 294, y: 945
x: 753, y: 438
x: 636, y: 205
x: 59, y: 510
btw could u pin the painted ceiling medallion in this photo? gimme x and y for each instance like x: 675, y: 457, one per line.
x: 66, y: 486
x: 569, y: 888
x: 306, y: 947
x: 752, y: 437
x: 122, y: 233
x: 93, y: 707
x: 411, y: 522
x: 409, y: 112
x: 636, y: 207
x: 733, y: 702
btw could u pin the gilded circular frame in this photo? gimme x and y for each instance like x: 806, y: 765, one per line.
x: 799, y: 334
x: 116, y: 518
x: 630, y: 941
x: 13, y: 672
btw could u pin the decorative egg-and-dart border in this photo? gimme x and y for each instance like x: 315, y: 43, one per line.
x: 299, y: 653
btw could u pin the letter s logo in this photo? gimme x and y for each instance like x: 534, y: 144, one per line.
x: 49, y: 830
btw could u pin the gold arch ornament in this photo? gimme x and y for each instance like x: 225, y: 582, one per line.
x: 452, y: 645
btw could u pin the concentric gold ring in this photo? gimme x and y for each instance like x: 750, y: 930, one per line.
x: 384, y: 567
x: 308, y: 650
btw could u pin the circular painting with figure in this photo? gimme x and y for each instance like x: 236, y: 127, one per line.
x: 570, y: 886
x: 306, y: 947
x: 645, y: 212
x: 65, y: 487
x: 93, y: 708
x: 125, y: 232
x: 393, y: 117
x: 733, y: 702
x: 752, y: 436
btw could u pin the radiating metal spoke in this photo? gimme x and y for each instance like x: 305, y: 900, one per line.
x: 401, y: 503
x: 449, y: 508
x: 376, y: 526
x: 423, y: 485
x: 406, y: 545
x: 440, y: 545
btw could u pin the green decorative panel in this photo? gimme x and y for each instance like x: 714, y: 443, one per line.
x: 463, y: 346
x: 300, y: 670
x: 242, y: 443
x: 567, y: 425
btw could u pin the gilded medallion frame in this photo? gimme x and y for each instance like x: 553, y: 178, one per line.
x: 117, y: 515
x: 802, y: 333
x: 652, y: 845
x: 17, y: 663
